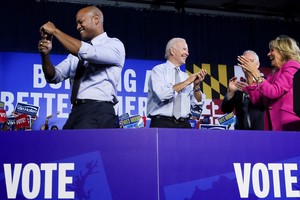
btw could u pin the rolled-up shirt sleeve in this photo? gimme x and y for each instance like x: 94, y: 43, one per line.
x: 112, y: 52
x: 103, y: 60
x: 163, y: 84
x: 64, y: 69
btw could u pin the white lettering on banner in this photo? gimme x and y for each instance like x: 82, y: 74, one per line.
x: 119, y: 106
x: 49, y: 98
x: 8, y: 98
x: 21, y: 96
x: 48, y: 168
x: 63, y: 103
x: 63, y: 180
x: 36, y: 98
x: 61, y: 100
x: 128, y: 104
x: 262, y: 188
x: 275, y: 168
x: 142, y: 106
x: 34, y: 170
x: 39, y: 80
x: 289, y: 180
x: 31, y: 179
x: 129, y: 85
x: 260, y: 168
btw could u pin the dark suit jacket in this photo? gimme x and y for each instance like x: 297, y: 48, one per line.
x: 248, y: 116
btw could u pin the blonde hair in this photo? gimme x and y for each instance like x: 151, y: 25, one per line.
x: 287, y: 47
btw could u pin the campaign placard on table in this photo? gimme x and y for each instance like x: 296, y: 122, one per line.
x: 135, y: 121
x: 212, y: 127
x: 11, y: 122
x: 227, y: 119
x: 3, y: 117
x: 27, y: 109
x: 22, y: 121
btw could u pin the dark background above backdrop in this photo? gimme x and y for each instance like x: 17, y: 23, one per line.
x: 212, y: 38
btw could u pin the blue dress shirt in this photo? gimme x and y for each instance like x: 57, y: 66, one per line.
x: 161, y: 94
x: 104, y: 60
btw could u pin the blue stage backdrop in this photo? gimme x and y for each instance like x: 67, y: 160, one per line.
x: 22, y: 81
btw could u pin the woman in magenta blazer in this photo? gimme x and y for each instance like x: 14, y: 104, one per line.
x: 276, y: 92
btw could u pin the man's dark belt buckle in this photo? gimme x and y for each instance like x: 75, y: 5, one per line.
x: 83, y: 101
x: 179, y: 120
x: 170, y: 118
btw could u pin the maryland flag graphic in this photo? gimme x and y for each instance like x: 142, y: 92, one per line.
x: 215, y: 83
x: 215, y: 86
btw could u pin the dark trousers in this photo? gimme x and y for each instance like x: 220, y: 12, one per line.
x: 168, y: 123
x: 91, y: 115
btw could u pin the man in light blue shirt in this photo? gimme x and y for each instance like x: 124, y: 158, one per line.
x: 171, y: 92
x: 93, y: 66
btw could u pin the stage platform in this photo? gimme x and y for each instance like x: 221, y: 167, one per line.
x: 149, y: 164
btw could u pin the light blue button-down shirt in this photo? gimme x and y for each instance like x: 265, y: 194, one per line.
x: 161, y: 94
x: 104, y: 60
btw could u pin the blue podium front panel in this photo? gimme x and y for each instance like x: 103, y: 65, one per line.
x: 87, y: 164
x: 228, y: 165
x: 149, y: 164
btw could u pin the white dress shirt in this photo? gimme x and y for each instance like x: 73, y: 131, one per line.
x: 104, y: 60
x: 161, y: 94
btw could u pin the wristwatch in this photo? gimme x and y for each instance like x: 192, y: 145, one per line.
x: 259, y: 79
x: 197, y: 88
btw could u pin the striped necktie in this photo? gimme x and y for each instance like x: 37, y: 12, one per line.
x: 77, y: 79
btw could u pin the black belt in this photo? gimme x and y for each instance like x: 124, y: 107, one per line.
x: 181, y: 119
x: 83, y: 101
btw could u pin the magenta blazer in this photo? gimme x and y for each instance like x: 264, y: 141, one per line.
x: 276, y: 94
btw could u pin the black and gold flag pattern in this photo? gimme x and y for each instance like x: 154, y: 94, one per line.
x: 215, y: 83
